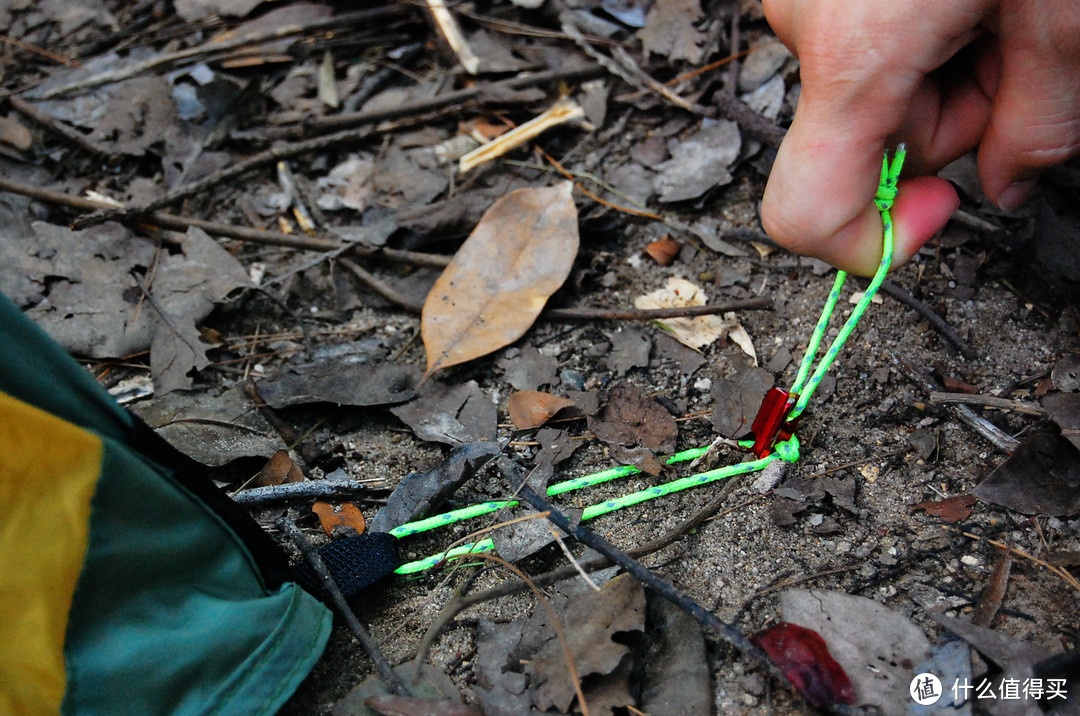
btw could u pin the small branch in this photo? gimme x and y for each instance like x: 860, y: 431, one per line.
x: 217, y: 45
x: 61, y: 128
x: 939, y: 324
x: 990, y: 432
x: 380, y: 287
x: 652, y: 314
x: 386, y: 672
x: 180, y: 223
x: 303, y: 491
x: 989, y: 401
x: 312, y: 455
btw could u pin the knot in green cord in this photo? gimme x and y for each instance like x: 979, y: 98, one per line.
x: 886, y: 195
x: 788, y: 451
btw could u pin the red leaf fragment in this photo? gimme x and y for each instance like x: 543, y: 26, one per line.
x: 804, y: 658
x: 950, y: 509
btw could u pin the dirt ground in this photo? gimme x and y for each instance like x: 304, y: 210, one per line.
x: 876, y: 434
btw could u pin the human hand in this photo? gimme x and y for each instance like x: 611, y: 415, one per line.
x: 944, y: 76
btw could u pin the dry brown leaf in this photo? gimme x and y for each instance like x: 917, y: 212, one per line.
x: 532, y: 408
x: 339, y: 516
x: 951, y: 509
x: 664, y: 251
x: 278, y: 469
x: 501, y: 277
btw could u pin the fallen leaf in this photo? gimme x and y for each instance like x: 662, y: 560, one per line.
x: 175, y: 351
x: 424, y: 681
x: 589, y: 621
x: 528, y: 368
x: 419, y: 494
x: 950, y: 509
x: 630, y: 348
x: 736, y: 400
x: 341, y: 380
x: 390, y: 705
x: 677, y: 675
x: 454, y: 415
x: 1066, y: 374
x: 635, y: 427
x: 875, y: 646
x: 693, y: 332
x: 670, y: 30
x: 664, y: 251
x: 1041, y: 477
x: 993, y: 595
x: 531, y: 408
x: 501, y: 277
x: 804, y: 658
x: 194, y: 10
x: 213, y: 429
x: 279, y: 469
x: 1064, y: 409
x: 699, y: 162
x: 336, y: 519
x: 15, y: 133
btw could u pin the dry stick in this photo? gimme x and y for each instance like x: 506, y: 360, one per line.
x: 303, y: 491
x: 311, y: 454
x: 386, y: 672
x: 1059, y: 571
x: 995, y: 435
x: 989, y: 401
x: 172, y: 221
x: 935, y: 320
x: 193, y: 54
x: 447, y: 99
x: 54, y: 125
x: 568, y: 314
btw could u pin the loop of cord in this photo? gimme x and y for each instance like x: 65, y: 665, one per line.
x: 788, y: 451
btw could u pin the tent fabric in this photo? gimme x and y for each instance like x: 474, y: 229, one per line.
x: 170, y: 599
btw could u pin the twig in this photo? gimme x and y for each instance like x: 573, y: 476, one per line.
x: 172, y: 221
x: 992, y: 433
x: 733, y: 108
x: 974, y: 222
x: 652, y: 314
x: 1059, y: 571
x: 380, y: 287
x: 448, y: 99
x: 572, y: 559
x: 568, y: 314
x: 218, y: 45
x: 939, y: 324
x: 302, y: 491
x: 386, y: 672
x: 54, y: 125
x: 622, y: 65
x: 312, y: 455
x: 440, y: 622
x: 989, y: 401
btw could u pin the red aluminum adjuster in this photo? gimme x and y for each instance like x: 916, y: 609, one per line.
x: 771, y: 425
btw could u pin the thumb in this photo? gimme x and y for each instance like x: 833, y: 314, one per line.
x: 1035, y: 116
x: 819, y: 201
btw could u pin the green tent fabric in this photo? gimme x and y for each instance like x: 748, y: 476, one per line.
x: 182, y: 604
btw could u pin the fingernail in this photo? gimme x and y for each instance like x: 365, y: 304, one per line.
x: 1014, y: 196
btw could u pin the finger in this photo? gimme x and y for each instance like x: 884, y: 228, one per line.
x: 923, y: 205
x: 950, y: 110
x: 861, y: 66
x: 1035, y: 120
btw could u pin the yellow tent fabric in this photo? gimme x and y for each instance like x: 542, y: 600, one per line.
x: 46, y: 485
